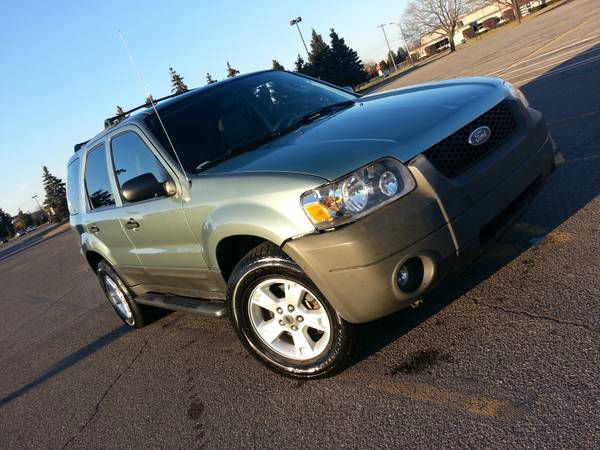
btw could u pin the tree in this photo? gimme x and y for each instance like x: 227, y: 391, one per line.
x: 23, y: 220
x: 7, y: 228
x: 277, y: 65
x: 438, y: 17
x: 348, y: 66
x: 231, y: 72
x: 515, y: 5
x: 56, y: 196
x: 177, y: 84
x: 319, y: 60
x: 299, y: 65
x: 400, y: 55
x: 209, y: 79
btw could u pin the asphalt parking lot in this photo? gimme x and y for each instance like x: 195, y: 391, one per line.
x: 507, y: 356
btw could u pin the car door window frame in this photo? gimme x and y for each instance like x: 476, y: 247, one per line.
x: 111, y: 180
x: 152, y: 149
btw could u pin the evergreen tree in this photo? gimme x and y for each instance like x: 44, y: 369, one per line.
x: 231, y: 72
x: 347, y: 66
x: 56, y: 195
x: 209, y: 79
x: 120, y: 111
x: 277, y: 65
x: 319, y: 61
x: 177, y: 84
x: 299, y: 64
x: 6, y: 226
x: 401, y: 55
x: 23, y: 220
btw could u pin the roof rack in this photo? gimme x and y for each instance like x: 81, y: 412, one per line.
x: 112, y: 121
x: 78, y: 146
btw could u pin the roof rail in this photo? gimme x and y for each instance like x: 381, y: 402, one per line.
x: 78, y: 146
x: 112, y: 121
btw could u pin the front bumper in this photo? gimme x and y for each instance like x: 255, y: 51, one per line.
x: 356, y: 266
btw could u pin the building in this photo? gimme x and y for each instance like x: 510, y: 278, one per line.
x: 480, y: 20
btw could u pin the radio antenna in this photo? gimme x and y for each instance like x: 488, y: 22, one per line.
x: 151, y: 100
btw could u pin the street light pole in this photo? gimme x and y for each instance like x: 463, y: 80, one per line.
x: 382, y: 26
x: 412, y: 63
x: 296, y: 21
x: 35, y: 197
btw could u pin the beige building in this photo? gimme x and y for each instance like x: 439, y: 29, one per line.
x: 481, y: 19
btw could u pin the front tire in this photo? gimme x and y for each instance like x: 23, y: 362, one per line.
x: 283, y: 319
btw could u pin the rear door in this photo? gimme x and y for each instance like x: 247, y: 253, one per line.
x: 102, y: 228
x: 164, y: 242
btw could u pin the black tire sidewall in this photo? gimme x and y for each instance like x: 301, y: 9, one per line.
x: 247, y: 275
x: 104, y: 270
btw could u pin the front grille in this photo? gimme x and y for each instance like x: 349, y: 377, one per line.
x: 454, y: 155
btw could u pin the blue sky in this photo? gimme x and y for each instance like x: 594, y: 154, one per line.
x: 63, y: 68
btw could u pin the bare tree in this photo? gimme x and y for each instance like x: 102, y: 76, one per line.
x: 513, y: 4
x: 440, y: 17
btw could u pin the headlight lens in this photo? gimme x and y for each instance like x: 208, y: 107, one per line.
x: 357, y: 194
x: 518, y: 94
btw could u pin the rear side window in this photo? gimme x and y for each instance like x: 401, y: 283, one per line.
x: 97, y: 182
x: 73, y: 188
x: 132, y: 158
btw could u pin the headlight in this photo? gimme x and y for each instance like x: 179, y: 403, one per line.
x: 516, y: 93
x: 357, y: 194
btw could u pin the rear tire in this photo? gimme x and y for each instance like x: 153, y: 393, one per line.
x: 132, y: 314
x: 283, y: 319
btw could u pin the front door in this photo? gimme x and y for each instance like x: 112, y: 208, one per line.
x: 102, y: 228
x: 170, y: 253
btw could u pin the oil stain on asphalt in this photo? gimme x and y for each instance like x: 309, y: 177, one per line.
x: 421, y: 361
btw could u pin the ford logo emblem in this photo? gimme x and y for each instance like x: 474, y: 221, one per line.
x: 480, y: 135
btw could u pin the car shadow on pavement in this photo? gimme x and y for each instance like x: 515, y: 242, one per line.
x: 67, y: 362
x: 570, y: 107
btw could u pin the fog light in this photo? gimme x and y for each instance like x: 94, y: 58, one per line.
x: 410, y: 275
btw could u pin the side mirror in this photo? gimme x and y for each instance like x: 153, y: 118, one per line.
x: 145, y: 187
x: 348, y: 88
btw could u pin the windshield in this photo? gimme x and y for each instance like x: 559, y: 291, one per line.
x: 208, y: 125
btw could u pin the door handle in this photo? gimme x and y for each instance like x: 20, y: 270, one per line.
x: 93, y: 229
x: 132, y: 224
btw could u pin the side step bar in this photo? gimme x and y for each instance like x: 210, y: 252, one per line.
x: 193, y: 305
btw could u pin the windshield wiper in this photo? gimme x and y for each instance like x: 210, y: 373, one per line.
x: 245, y: 147
x: 320, y: 112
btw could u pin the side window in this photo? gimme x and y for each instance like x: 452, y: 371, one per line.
x: 73, y: 187
x: 97, y: 182
x: 132, y: 158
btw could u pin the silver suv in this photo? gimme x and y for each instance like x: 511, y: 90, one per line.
x: 298, y: 208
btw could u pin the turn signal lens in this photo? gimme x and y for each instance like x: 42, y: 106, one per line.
x: 317, y: 212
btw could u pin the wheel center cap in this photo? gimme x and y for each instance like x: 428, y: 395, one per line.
x: 288, y: 319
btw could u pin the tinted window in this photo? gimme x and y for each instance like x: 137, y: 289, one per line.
x: 132, y: 158
x: 204, y: 125
x: 97, y: 182
x: 73, y: 188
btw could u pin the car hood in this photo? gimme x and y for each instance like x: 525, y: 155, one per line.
x: 401, y: 123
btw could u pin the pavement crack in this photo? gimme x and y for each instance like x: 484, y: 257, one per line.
x: 106, y: 392
x: 519, y: 312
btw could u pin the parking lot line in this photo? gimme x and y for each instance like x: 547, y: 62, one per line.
x: 550, y: 42
x: 559, y: 70
x: 560, y: 57
x: 570, y: 45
